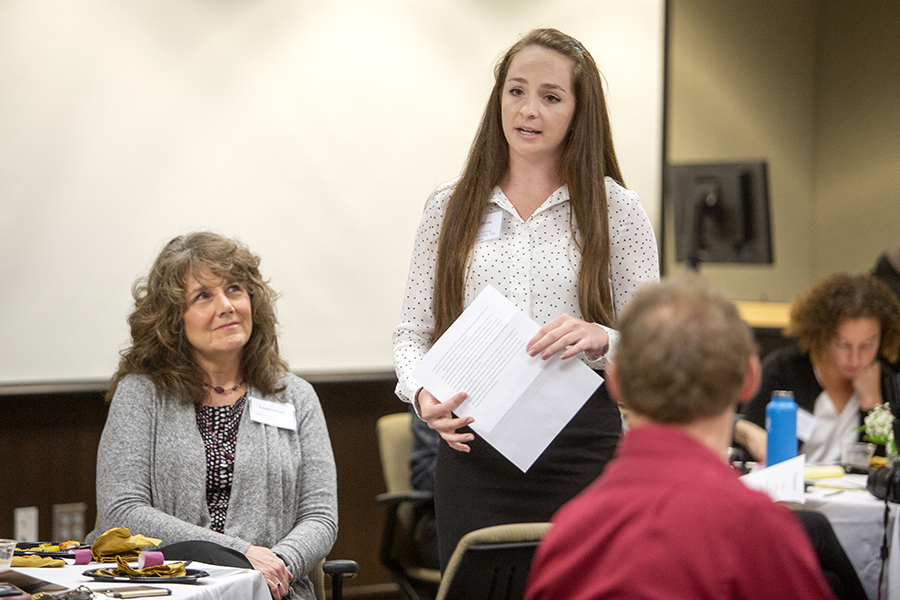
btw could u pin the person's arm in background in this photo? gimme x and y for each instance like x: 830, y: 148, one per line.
x: 782, y: 369
x: 752, y: 437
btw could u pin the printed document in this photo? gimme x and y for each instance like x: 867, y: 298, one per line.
x: 783, y: 481
x: 520, y: 403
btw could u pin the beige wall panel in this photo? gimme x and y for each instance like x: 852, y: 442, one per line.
x: 742, y: 87
x: 858, y: 123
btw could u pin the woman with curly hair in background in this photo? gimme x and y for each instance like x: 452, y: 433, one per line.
x: 847, y: 328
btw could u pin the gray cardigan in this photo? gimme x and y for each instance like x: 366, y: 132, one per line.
x: 151, y: 477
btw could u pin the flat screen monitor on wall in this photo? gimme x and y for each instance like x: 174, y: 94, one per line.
x: 721, y: 213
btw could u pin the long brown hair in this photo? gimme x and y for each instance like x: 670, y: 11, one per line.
x: 587, y: 157
x: 159, y: 346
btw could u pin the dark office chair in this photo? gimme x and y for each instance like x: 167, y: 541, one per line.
x: 398, y: 547
x: 492, y: 563
x: 338, y: 570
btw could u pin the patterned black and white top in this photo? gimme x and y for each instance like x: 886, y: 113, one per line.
x: 534, y: 263
x: 218, y: 426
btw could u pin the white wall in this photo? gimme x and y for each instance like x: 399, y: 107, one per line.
x: 313, y: 131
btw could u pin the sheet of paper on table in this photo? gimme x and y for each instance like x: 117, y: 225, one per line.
x: 520, y: 403
x: 783, y: 482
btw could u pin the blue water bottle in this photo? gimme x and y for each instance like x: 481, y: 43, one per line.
x: 781, y: 428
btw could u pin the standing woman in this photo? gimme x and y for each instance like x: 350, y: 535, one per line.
x: 183, y: 456
x: 571, y: 247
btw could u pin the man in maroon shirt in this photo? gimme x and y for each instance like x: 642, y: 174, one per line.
x: 669, y: 519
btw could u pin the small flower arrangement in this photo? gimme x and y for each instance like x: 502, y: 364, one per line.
x: 879, y: 428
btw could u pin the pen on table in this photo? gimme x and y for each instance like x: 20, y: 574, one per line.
x: 838, y: 487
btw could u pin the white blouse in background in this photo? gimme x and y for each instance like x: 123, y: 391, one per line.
x: 832, y: 427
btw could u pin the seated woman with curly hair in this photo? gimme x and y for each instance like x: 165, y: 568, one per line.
x: 846, y: 327
x: 184, y: 456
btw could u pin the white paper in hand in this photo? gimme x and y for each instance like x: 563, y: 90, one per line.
x: 520, y: 403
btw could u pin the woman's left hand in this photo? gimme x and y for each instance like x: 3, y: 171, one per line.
x: 868, y: 386
x: 570, y: 335
x: 273, y: 569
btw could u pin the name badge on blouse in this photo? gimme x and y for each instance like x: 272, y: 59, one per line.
x: 490, y: 227
x: 276, y: 414
x: 806, y: 423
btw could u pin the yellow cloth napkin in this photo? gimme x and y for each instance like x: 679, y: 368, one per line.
x: 119, y: 542
x: 33, y: 560
x: 125, y: 570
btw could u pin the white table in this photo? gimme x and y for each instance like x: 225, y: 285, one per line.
x: 223, y: 583
x: 858, y: 521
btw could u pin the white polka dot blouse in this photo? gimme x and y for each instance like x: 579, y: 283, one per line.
x: 534, y: 263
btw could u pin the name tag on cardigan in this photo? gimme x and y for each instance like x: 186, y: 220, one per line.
x: 276, y: 414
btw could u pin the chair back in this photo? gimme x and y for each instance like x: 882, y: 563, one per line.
x: 395, y: 439
x: 317, y: 577
x: 398, y: 546
x: 394, y: 444
x: 492, y: 563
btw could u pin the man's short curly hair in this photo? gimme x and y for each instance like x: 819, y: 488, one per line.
x: 684, y: 351
x: 817, y: 313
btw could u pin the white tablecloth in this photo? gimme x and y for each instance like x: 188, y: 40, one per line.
x: 858, y: 521
x: 223, y: 583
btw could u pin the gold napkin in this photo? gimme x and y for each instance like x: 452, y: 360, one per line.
x: 119, y: 542
x: 33, y: 560
x: 124, y: 570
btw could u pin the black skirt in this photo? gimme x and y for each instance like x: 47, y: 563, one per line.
x: 481, y: 487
